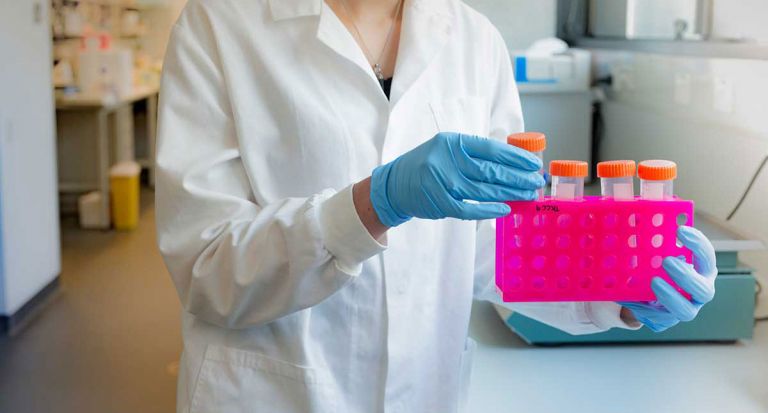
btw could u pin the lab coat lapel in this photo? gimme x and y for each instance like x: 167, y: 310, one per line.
x: 289, y: 9
x: 425, y: 29
x: 330, y: 30
x: 335, y: 35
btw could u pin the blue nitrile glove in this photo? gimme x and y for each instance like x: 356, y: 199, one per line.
x: 432, y: 180
x: 698, y: 280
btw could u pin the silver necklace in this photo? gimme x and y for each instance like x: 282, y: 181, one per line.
x: 376, y: 63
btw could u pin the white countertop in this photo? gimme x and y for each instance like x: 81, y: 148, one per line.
x: 511, y: 376
x: 78, y: 100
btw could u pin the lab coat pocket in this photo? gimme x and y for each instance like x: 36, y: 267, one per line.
x: 470, y: 115
x: 235, y: 381
x: 466, y: 373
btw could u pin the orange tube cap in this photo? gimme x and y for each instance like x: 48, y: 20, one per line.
x: 616, y: 169
x: 574, y: 169
x: 530, y: 141
x: 657, y: 170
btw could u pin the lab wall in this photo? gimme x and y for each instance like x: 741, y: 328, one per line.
x: 730, y: 19
x: 29, y: 227
x: 707, y: 114
x: 521, y: 22
x: 740, y: 19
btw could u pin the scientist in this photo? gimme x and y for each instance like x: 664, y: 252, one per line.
x: 313, y: 159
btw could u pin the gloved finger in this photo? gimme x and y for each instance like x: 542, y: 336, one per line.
x: 701, y: 290
x: 646, y: 307
x: 659, y: 326
x: 636, y: 307
x: 475, y: 211
x: 485, y: 192
x: 703, y: 251
x: 492, y: 172
x: 659, y: 322
x: 499, y: 152
x: 652, y: 315
x: 673, y: 301
x: 640, y: 305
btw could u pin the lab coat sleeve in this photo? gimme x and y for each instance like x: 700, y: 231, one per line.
x: 236, y: 263
x: 571, y: 317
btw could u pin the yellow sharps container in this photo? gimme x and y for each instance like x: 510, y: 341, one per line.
x: 124, y: 189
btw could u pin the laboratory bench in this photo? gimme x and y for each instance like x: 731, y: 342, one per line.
x: 715, y: 363
x: 509, y: 375
x: 94, y: 132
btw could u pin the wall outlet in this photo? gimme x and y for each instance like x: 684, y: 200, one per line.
x: 722, y: 94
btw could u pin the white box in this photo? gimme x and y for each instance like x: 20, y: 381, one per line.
x: 89, y: 207
x: 560, y: 73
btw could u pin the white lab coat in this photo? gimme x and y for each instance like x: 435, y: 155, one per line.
x: 269, y: 112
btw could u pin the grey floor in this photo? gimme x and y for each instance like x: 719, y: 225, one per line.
x: 109, y: 341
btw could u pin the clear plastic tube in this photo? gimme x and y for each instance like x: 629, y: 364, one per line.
x: 533, y: 142
x: 657, y: 190
x: 540, y: 155
x: 568, y: 188
x: 621, y: 188
x: 568, y: 179
x: 657, y: 179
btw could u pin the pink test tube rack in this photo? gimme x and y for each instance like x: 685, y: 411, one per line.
x: 597, y: 249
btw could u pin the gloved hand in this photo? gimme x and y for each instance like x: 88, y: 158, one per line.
x: 432, y: 180
x: 698, y: 280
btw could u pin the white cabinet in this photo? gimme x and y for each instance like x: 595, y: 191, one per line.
x: 29, y: 225
x: 649, y: 19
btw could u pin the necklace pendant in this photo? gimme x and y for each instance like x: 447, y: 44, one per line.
x: 378, y: 72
